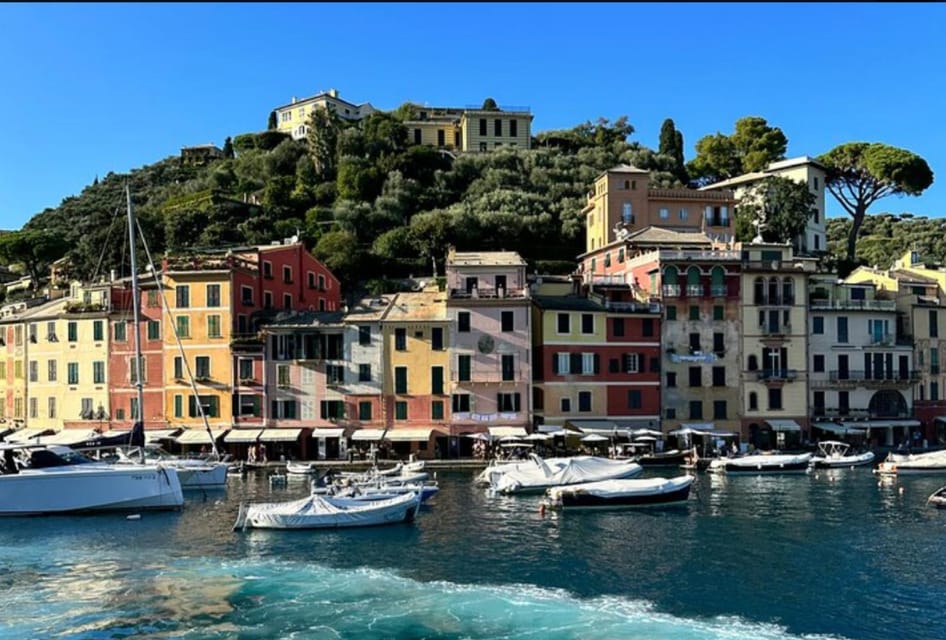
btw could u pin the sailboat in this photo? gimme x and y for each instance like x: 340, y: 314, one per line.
x: 209, y: 473
x: 48, y: 479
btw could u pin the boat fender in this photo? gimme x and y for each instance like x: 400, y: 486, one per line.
x: 541, y: 508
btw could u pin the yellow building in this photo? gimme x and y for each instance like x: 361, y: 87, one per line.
x: 416, y: 361
x: 198, y: 312
x: 774, y: 344
x: 293, y: 118
x: 486, y: 130
x: 13, y: 366
x: 435, y: 128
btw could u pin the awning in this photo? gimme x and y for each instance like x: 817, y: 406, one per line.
x: 367, y: 435
x: 697, y: 426
x: 594, y: 426
x: 153, y: 435
x: 328, y: 433
x: 499, y: 432
x: 199, y: 436
x: 28, y: 433
x: 411, y: 435
x: 69, y: 437
x: 784, y: 425
x: 557, y: 428
x: 280, y: 435
x: 883, y: 424
x: 939, y: 419
x: 243, y: 435
x: 838, y: 429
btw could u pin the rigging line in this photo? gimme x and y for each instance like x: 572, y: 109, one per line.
x: 105, y: 244
x: 180, y: 346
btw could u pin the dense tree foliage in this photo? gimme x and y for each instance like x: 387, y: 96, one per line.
x: 751, y: 147
x: 860, y: 173
x: 783, y: 207
x: 671, y: 144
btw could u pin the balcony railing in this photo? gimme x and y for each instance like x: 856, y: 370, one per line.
x: 639, y: 307
x: 856, y: 413
x: 871, y: 305
x: 779, y: 329
x: 763, y: 265
x: 518, y: 374
x: 694, y: 290
x: 489, y: 293
x: 773, y: 301
x: 693, y: 255
x: 860, y: 375
x: 671, y: 290
x: 718, y: 290
x: 787, y: 375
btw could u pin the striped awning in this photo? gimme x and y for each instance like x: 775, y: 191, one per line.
x: 280, y: 435
x: 199, y: 436
x: 784, y: 425
x: 243, y: 435
x: 367, y: 435
x: 328, y: 433
x: 411, y: 435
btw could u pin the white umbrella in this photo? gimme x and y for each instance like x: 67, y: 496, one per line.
x: 647, y: 432
x: 538, y: 436
x: 645, y: 439
x: 511, y: 438
x: 478, y: 436
x: 515, y: 445
x: 594, y: 437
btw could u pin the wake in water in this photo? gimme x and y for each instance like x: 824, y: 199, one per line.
x: 277, y: 599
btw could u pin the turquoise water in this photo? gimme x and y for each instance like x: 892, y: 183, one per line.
x: 832, y: 555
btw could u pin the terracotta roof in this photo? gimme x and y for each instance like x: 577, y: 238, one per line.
x: 368, y: 309
x: 662, y: 235
x: 418, y: 306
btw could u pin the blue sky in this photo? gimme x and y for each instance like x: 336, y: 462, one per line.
x: 88, y: 89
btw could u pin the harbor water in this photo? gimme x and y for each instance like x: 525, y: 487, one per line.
x: 832, y: 554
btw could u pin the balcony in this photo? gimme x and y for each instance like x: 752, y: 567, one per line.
x: 780, y: 329
x: 488, y: 293
x: 763, y: 265
x: 861, y: 378
x: 777, y: 375
x: 718, y: 291
x: 863, y: 305
x: 773, y: 301
x: 856, y: 414
x: 518, y: 375
x: 694, y: 290
x: 671, y: 290
x: 637, y: 307
x: 698, y: 256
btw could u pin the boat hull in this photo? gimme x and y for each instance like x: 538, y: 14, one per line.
x: 756, y: 465
x: 89, y: 489
x: 205, y: 476
x: 663, y: 460
x: 319, y: 512
x: 843, y: 462
x: 673, y: 491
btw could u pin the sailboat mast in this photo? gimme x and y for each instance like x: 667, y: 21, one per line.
x: 136, y: 310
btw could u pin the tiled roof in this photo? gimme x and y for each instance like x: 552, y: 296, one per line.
x: 418, y: 306
x: 485, y: 258
x: 662, y: 235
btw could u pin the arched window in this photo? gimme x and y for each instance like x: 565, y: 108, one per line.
x: 693, y: 282
x: 887, y: 404
x: 788, y: 290
x: 753, y: 362
x: 773, y: 290
x: 671, y: 276
x: 759, y: 289
x: 753, y: 401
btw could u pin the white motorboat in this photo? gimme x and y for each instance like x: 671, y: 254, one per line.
x: 194, y: 473
x: 933, y: 462
x: 833, y: 454
x: 938, y: 498
x: 494, y: 469
x: 381, y: 491
x: 576, y: 471
x: 765, y: 463
x: 301, y: 468
x: 621, y: 494
x: 51, y: 479
x: 326, y: 512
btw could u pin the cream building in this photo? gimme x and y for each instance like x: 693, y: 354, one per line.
x: 293, y: 118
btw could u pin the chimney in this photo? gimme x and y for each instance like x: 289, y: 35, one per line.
x: 111, y: 275
x: 293, y: 99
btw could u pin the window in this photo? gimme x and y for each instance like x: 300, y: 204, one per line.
x: 647, y: 327
x: 584, y: 401
x: 400, y: 379
x: 267, y: 269
x: 202, y: 367
x: 627, y: 215
x: 753, y: 401
x: 98, y: 372
x: 696, y: 409
x: 513, y: 128
x: 436, y: 381
x: 182, y: 295
x: 178, y: 368
x: 507, y: 317
x: 719, y: 376
x: 34, y: 371
x: 436, y: 338
x: 483, y: 126
x: 463, y: 321
x: 718, y: 312
x: 213, y: 295
x: 634, y: 399
x: 209, y: 404
x: 50, y: 370
x: 287, y: 301
x: 696, y: 376
x: 213, y: 326
x: 154, y: 330
x: 934, y: 324
x: 695, y: 342
x: 267, y: 299
x: 509, y: 402
x: 694, y: 312
x: 322, y: 286
x: 664, y: 213
x: 684, y: 213
x: 183, y: 327
x: 310, y: 279
x: 400, y: 339
x: 461, y: 402
x: 566, y: 405
x: 463, y: 368
x: 817, y: 364
x: 245, y: 369
x: 72, y: 332
x: 775, y: 398
x: 587, y: 323
x: 246, y: 296
x: 400, y: 410
x: 508, y: 367
x: 364, y: 373
x: 153, y: 299
x: 436, y: 410
x: 52, y: 407
x: 364, y: 335
x: 632, y: 363
x: 497, y: 127
x: 817, y: 324
x: 842, y: 330
x: 72, y: 371
x: 671, y: 414
x: 285, y: 409
x: 119, y: 329
x: 364, y: 410
x: 287, y: 274
x: 563, y: 324
x: 671, y: 379
x: 671, y: 313
x: 619, y: 327
x: 34, y: 407
x: 248, y: 406
x: 719, y: 410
